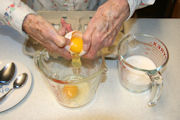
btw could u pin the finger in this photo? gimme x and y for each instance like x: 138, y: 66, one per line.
x: 87, y: 36
x: 64, y: 53
x: 62, y: 31
x: 51, y: 47
x: 86, y: 41
x: 96, y: 45
x: 91, y: 54
x: 50, y: 34
x: 68, y: 28
x: 66, y: 25
x: 106, y: 41
x: 110, y: 39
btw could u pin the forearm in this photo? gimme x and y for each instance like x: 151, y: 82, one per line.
x: 13, y: 13
x: 132, y: 5
x: 123, y: 5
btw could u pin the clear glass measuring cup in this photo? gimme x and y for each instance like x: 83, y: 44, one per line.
x: 142, y: 59
x: 71, y: 89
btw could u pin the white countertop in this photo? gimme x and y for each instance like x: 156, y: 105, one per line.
x: 112, y: 101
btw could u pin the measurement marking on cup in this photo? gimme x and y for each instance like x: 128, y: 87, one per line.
x: 159, y: 48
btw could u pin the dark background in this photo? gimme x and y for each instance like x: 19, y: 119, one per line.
x: 160, y: 9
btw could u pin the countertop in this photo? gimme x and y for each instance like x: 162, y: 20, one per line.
x: 112, y: 101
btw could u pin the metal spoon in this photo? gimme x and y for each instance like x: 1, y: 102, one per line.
x: 7, y: 73
x: 19, y: 82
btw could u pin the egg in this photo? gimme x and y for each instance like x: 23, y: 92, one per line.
x: 76, y: 94
x: 76, y: 43
x: 70, y: 91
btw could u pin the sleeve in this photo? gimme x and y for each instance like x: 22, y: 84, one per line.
x: 13, y: 12
x: 137, y: 4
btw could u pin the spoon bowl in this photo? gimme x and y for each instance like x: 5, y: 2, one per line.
x: 19, y: 82
x: 7, y: 73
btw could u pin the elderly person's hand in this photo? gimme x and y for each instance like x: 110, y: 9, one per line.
x: 42, y: 31
x: 104, y: 26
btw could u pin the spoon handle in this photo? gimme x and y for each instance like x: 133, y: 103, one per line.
x: 4, y: 96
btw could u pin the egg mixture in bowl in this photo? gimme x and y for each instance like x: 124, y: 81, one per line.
x: 72, y: 87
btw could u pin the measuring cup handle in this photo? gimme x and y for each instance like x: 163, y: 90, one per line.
x: 157, y: 86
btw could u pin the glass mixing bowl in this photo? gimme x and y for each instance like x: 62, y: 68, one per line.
x: 71, y: 88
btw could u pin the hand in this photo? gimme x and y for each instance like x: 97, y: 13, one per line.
x: 44, y: 33
x: 104, y: 26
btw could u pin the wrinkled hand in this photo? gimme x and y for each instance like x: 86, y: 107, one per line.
x: 44, y: 33
x: 104, y: 26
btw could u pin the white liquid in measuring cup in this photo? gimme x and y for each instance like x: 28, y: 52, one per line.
x: 137, y: 78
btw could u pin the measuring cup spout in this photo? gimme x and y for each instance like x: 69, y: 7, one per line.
x: 157, y: 85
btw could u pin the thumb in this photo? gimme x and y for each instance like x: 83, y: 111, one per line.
x: 60, y: 41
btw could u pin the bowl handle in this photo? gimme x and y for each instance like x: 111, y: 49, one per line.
x: 39, y: 60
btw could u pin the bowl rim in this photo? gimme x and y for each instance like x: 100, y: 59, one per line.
x: 121, y: 57
x: 44, y: 55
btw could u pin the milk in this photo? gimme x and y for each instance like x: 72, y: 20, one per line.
x: 135, y: 78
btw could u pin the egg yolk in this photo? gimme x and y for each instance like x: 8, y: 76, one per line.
x: 76, y: 45
x: 70, y: 91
